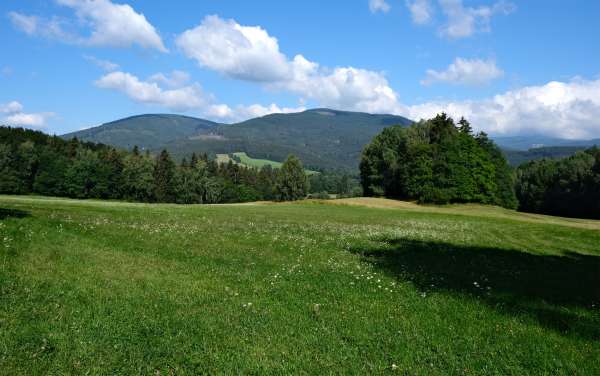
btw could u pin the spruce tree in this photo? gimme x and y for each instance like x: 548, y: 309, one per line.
x: 164, y: 174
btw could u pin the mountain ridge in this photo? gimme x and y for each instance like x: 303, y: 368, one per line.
x: 323, y: 138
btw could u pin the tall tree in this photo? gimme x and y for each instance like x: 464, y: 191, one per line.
x: 292, y: 183
x: 164, y: 174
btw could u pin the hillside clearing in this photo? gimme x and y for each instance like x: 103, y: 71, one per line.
x: 310, y: 287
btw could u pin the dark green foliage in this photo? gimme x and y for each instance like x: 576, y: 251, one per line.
x: 138, y: 178
x: 436, y: 161
x: 292, y: 183
x: 341, y: 184
x: 568, y: 187
x: 322, y: 138
x: 518, y: 157
x: 32, y: 162
x: 164, y: 178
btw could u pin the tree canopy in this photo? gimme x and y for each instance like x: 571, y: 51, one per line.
x: 33, y: 162
x: 437, y: 161
x: 567, y: 187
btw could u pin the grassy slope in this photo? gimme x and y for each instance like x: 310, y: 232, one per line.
x: 258, y: 163
x: 101, y: 287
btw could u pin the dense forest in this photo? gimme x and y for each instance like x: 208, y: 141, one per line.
x: 437, y: 161
x: 33, y: 162
x: 566, y: 187
x: 432, y: 161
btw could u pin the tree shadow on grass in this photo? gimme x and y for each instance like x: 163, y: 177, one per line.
x: 13, y: 213
x: 560, y: 292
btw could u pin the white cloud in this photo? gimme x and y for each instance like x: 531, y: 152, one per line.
x: 112, y: 25
x: 465, y: 72
x: 175, y: 79
x: 181, y: 99
x: 343, y: 87
x: 249, y: 53
x: 16, y: 117
x: 225, y: 113
x: 11, y: 107
x: 379, y: 6
x: 465, y: 21
x: 28, y: 120
x: 257, y: 110
x: 561, y: 109
x: 27, y: 24
x: 421, y: 11
x: 106, y: 65
x: 242, y: 52
x: 48, y: 28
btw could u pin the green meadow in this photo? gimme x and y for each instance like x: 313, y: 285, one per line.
x: 246, y: 160
x: 353, y: 286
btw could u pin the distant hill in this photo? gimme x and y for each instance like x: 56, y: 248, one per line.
x: 322, y: 138
x: 146, y: 131
x: 525, y: 143
x: 516, y: 157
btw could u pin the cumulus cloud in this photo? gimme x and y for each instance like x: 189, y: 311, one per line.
x: 52, y: 28
x: 562, y: 109
x: 174, y: 79
x: 379, y: 6
x: 242, y: 52
x: 257, y: 110
x: 249, y: 53
x: 181, y: 99
x: 465, y: 21
x: 465, y: 72
x: 15, y: 116
x: 11, y: 107
x: 112, y: 25
x: 421, y: 11
x: 106, y: 65
x: 182, y: 96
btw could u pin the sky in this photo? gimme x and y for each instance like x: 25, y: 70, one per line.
x: 510, y: 67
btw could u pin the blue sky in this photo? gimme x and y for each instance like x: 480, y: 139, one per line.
x: 519, y: 67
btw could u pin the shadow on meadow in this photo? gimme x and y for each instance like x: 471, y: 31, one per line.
x: 559, y: 292
x: 13, y: 213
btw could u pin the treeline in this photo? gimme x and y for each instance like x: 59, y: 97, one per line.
x: 340, y: 183
x: 33, y: 162
x: 437, y: 161
x: 566, y: 187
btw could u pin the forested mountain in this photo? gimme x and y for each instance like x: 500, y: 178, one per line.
x: 146, y: 131
x: 321, y: 138
x: 524, y: 143
x: 517, y: 157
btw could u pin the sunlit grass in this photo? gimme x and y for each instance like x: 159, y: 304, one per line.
x: 117, y: 288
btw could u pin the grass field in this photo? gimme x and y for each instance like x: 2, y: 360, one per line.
x: 258, y: 163
x: 245, y: 160
x: 355, y: 286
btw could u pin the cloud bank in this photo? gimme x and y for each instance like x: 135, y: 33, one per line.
x: 109, y: 24
x: 14, y: 116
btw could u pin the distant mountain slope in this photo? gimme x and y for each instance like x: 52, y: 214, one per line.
x: 516, y: 157
x: 525, y: 143
x: 146, y: 131
x: 322, y: 138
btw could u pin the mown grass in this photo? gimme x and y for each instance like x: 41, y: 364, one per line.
x: 92, y: 287
x: 246, y: 161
